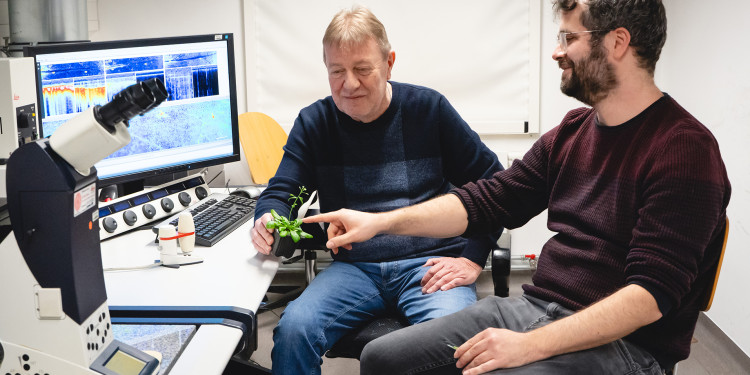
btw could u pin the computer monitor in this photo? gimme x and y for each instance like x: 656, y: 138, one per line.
x: 194, y: 128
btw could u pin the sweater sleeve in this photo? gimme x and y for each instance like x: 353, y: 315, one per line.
x: 509, y: 198
x: 466, y: 158
x: 294, y: 170
x: 684, y: 195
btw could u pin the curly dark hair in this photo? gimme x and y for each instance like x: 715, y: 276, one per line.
x: 646, y: 20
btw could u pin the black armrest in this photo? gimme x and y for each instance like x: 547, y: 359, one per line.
x: 501, y: 271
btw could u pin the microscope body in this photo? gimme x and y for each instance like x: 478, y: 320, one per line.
x: 51, y: 269
x: 54, y: 213
x: 55, y: 318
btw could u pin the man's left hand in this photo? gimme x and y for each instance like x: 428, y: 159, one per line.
x: 447, y: 273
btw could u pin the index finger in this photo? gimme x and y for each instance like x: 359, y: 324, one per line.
x: 430, y: 273
x: 430, y: 262
x: 320, y: 218
x: 463, y: 348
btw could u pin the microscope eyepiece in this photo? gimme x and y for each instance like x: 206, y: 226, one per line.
x: 156, y: 86
x: 130, y: 102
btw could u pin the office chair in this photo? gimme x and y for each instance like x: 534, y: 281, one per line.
x: 262, y: 139
x: 351, y: 345
x: 708, y: 297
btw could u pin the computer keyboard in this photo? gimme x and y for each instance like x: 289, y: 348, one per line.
x: 216, y: 216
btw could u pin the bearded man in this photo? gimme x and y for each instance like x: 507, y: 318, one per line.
x: 637, y: 193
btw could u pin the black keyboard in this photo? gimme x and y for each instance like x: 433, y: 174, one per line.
x: 217, y: 216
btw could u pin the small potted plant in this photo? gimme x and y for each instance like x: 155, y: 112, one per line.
x: 287, y: 232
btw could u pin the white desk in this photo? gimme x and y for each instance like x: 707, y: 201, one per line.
x: 232, y: 274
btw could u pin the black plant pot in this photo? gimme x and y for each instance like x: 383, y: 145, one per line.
x: 282, y: 246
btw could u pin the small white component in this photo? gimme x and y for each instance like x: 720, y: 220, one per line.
x: 168, y: 247
x: 167, y: 240
x: 49, y: 303
x: 185, y: 224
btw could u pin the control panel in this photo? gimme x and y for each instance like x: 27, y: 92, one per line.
x: 150, y: 205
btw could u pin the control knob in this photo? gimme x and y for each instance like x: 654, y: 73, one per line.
x: 129, y: 217
x: 184, y: 198
x: 167, y: 204
x: 110, y: 224
x: 201, y: 192
x: 149, y: 211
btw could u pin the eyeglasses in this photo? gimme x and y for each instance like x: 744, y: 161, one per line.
x: 562, y: 37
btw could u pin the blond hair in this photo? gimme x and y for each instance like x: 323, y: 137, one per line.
x: 351, y: 27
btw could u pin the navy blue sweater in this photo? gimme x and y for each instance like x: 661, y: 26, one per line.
x: 418, y: 149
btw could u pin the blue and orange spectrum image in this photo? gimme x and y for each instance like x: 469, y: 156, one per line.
x: 188, y: 117
x: 73, y: 87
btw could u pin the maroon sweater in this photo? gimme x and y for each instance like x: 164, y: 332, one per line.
x: 640, y: 203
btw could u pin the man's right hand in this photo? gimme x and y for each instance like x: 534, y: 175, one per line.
x: 441, y: 217
x: 347, y: 227
x: 262, y: 236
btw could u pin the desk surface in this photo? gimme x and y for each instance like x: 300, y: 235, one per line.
x: 233, y: 273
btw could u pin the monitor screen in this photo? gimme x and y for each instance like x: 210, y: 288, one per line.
x: 194, y: 128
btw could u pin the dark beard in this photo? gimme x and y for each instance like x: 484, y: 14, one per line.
x: 591, y: 79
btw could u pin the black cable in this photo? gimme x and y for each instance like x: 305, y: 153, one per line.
x: 215, y: 177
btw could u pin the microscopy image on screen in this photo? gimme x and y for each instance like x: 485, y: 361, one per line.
x: 196, y: 126
x: 69, y: 88
x: 191, y: 75
x: 73, y: 87
x: 177, y: 126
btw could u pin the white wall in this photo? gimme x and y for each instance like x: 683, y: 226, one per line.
x: 704, y: 67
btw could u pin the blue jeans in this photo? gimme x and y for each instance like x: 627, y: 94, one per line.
x: 345, y: 296
x: 423, y: 349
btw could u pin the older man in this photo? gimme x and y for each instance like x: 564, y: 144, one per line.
x: 374, y: 145
x: 637, y: 192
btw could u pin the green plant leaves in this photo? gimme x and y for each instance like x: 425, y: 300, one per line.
x: 286, y: 226
x: 275, y: 215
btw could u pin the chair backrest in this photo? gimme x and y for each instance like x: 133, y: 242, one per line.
x: 262, y: 139
x: 709, y: 297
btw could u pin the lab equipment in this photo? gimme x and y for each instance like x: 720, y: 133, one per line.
x: 167, y: 240
x: 150, y: 205
x: 217, y: 216
x: 18, y: 124
x: 55, y: 317
x: 184, y: 235
x: 186, y: 229
x: 195, y: 128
